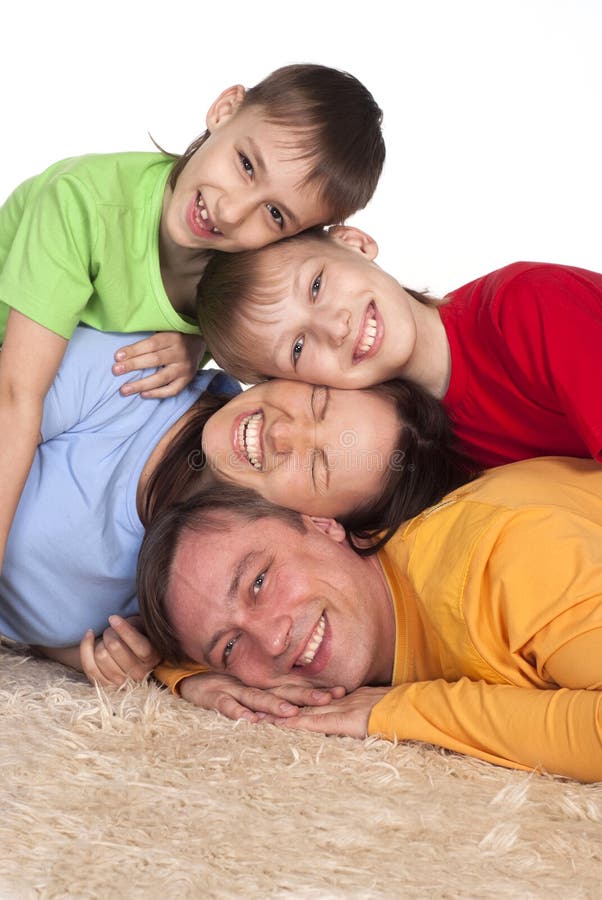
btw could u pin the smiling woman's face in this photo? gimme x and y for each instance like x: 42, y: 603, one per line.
x: 314, y: 449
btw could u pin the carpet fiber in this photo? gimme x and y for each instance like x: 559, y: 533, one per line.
x: 137, y: 794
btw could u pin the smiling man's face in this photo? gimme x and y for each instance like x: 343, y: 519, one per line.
x: 268, y: 603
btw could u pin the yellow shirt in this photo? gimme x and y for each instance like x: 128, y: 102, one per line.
x: 498, y: 602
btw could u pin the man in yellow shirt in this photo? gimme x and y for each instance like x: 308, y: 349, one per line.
x: 478, y: 627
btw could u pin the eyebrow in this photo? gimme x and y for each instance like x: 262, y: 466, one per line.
x: 322, y: 452
x: 239, y: 573
x: 299, y: 280
x: 262, y: 166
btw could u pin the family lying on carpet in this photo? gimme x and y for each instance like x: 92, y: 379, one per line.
x: 322, y: 539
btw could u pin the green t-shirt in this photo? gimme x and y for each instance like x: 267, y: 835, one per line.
x: 80, y: 243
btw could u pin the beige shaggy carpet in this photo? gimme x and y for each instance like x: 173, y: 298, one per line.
x: 137, y: 794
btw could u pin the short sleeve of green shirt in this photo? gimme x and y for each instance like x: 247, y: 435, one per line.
x: 79, y: 243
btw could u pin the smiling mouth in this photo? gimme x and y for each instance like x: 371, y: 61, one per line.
x: 249, y: 439
x: 365, y: 341
x: 201, y: 216
x: 314, y: 644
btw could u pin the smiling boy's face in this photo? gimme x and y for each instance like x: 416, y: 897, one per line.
x: 244, y: 187
x: 333, y: 317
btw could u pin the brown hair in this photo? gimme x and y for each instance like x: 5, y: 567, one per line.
x: 233, y: 284
x: 338, y: 125
x: 206, y: 511
x: 423, y: 468
x: 182, y: 468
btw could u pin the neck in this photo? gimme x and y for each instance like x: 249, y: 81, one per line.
x: 383, y: 603
x: 430, y: 363
x: 181, y: 267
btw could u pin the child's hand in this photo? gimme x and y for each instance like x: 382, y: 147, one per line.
x: 122, y: 652
x: 178, y: 355
x: 235, y: 700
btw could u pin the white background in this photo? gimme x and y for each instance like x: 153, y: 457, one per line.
x: 492, y: 107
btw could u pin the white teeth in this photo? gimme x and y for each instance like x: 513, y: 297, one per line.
x: 314, y: 643
x: 248, y: 439
x: 204, y: 214
x: 368, y: 336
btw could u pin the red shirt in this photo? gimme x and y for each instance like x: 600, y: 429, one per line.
x: 526, y: 371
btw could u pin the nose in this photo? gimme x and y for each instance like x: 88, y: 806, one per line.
x: 233, y: 208
x: 337, y: 326
x: 273, y: 634
x: 290, y: 435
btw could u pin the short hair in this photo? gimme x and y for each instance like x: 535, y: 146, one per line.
x: 205, y: 511
x: 234, y: 285
x: 338, y: 124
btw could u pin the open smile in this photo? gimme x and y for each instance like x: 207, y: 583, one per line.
x: 370, y: 335
x: 199, y: 220
x: 315, y: 653
x: 248, y: 431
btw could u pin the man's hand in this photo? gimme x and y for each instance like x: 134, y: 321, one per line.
x: 346, y: 717
x: 235, y: 700
x: 177, y: 354
x: 122, y: 652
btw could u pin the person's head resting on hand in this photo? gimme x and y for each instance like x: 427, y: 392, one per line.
x: 263, y: 593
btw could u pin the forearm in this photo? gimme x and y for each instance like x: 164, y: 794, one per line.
x: 558, y: 731
x: 68, y: 656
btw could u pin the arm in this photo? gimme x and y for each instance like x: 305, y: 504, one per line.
x: 178, y: 357
x: 29, y: 360
x: 558, y: 731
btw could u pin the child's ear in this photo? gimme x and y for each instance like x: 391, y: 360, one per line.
x: 330, y: 527
x: 355, y: 239
x: 225, y: 106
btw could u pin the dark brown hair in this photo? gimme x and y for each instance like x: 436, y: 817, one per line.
x: 182, y: 468
x: 337, y: 124
x: 207, y: 511
x: 423, y: 468
x: 233, y: 284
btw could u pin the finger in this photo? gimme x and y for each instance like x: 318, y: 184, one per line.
x: 133, y: 638
x: 262, y: 701
x: 228, y: 706
x: 161, y: 378
x: 117, y: 662
x: 308, y: 696
x: 170, y: 390
x: 87, y: 653
x: 147, y: 345
x: 320, y: 721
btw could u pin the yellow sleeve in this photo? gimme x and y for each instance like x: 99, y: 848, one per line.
x: 558, y: 731
x: 172, y: 675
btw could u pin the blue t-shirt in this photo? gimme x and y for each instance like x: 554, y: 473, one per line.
x: 72, y: 550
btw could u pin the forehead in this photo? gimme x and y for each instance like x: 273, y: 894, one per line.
x: 206, y: 561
